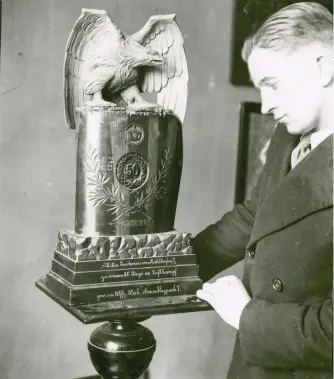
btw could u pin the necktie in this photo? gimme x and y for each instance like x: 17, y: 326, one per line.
x: 302, y: 149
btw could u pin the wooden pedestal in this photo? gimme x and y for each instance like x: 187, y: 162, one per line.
x: 129, y: 167
x: 122, y: 348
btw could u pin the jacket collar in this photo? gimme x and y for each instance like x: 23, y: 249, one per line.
x: 289, y: 196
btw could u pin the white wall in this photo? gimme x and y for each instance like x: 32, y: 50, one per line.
x: 38, y: 339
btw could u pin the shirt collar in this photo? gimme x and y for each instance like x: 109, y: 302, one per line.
x: 321, y: 135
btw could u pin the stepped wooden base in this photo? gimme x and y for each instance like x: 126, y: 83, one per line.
x: 96, y: 279
x: 131, y: 275
x: 95, y: 293
x: 128, y: 309
x: 125, y: 263
x: 92, y: 269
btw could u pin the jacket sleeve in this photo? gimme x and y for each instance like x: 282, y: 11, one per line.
x: 223, y: 244
x: 287, y: 335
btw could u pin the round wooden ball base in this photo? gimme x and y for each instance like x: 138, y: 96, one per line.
x: 121, y: 348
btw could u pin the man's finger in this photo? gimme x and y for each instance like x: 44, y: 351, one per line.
x: 220, y: 285
x: 208, y: 287
x: 204, y: 295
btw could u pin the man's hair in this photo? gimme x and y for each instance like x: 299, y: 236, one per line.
x: 295, y: 25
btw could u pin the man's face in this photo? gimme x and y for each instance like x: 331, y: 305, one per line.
x: 290, y: 87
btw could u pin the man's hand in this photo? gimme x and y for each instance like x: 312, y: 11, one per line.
x: 228, y: 296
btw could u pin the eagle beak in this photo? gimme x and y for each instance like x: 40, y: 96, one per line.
x: 158, y: 60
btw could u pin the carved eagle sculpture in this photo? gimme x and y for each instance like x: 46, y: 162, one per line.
x: 103, y: 63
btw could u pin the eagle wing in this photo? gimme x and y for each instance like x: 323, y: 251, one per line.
x: 90, y: 50
x: 170, y: 80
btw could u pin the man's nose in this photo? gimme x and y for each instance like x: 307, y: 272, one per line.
x: 266, y: 108
x: 268, y: 105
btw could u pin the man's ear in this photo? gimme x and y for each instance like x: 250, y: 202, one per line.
x: 326, y: 68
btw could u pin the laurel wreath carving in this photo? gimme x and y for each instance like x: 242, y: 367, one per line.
x: 105, y: 191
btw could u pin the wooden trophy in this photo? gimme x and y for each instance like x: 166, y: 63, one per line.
x: 124, y: 261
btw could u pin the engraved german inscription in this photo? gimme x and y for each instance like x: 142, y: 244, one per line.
x: 141, y: 291
x: 153, y: 273
x: 143, y: 262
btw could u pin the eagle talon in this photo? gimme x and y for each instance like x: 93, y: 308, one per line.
x: 98, y: 101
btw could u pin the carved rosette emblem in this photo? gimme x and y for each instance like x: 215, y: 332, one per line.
x: 134, y: 134
x: 132, y: 171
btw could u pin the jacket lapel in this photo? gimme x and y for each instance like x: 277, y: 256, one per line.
x: 290, y: 196
x: 279, y: 164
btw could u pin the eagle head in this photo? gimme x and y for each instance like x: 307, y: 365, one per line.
x: 147, y: 57
x: 152, y: 58
x: 137, y: 55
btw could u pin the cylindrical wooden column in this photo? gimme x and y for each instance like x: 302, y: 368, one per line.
x: 128, y: 171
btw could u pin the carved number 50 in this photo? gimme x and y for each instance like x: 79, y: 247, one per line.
x: 132, y: 169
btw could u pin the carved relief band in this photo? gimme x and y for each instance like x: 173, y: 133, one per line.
x: 79, y: 247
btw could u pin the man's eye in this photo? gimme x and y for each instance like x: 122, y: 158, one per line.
x: 274, y: 85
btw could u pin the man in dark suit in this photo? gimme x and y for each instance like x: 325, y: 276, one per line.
x: 283, y: 306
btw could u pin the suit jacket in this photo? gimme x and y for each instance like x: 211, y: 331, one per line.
x: 285, y: 235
